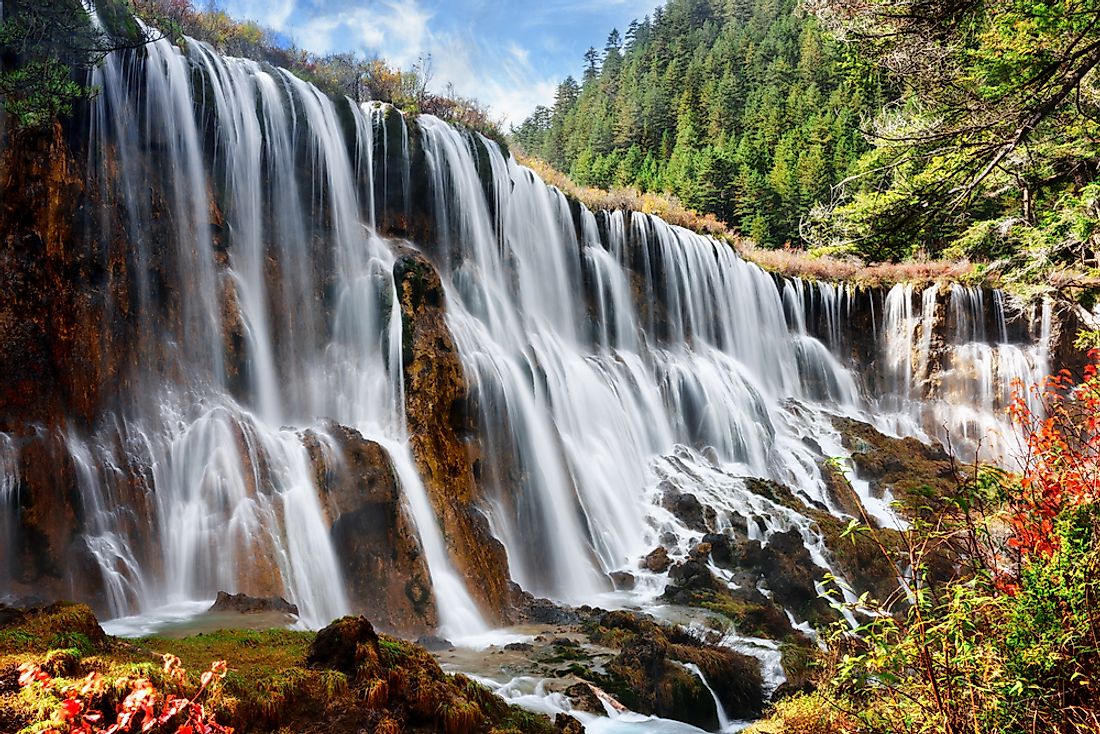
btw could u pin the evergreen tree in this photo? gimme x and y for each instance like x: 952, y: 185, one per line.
x: 591, y: 64
x: 745, y: 109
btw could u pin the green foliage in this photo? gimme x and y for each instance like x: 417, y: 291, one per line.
x: 991, y: 150
x: 988, y: 637
x: 966, y: 656
x: 41, y: 42
x: 745, y: 111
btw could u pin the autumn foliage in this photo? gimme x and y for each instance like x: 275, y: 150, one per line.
x: 998, y: 628
x: 144, y: 709
x: 1061, y: 456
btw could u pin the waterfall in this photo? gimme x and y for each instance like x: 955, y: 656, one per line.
x: 9, y: 508
x: 612, y: 358
x: 957, y: 390
x: 723, y: 720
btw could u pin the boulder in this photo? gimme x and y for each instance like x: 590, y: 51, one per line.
x: 244, y: 604
x: 584, y: 698
x: 376, y: 541
x: 534, y: 610
x: 701, y: 551
x: 691, y: 575
x: 688, y: 509
x: 434, y: 643
x: 657, y: 561
x: 649, y: 675
x: 791, y: 575
x: 623, y: 580
x: 566, y: 724
x: 342, y: 645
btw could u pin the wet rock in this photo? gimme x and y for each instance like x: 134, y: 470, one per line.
x: 648, y: 675
x: 342, y: 645
x: 840, y: 490
x: 721, y: 553
x: 375, y: 540
x: 701, y: 551
x: 436, y: 399
x: 791, y: 573
x: 584, y: 698
x: 915, y: 473
x: 689, y: 577
x: 566, y: 724
x: 244, y: 604
x: 691, y: 583
x: 623, y: 580
x: 688, y: 509
x: 534, y: 610
x: 657, y: 561
x: 519, y: 647
x: 434, y: 643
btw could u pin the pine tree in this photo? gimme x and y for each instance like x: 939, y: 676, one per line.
x: 591, y: 64
x: 743, y: 108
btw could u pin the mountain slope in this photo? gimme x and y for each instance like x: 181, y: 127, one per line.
x: 745, y: 110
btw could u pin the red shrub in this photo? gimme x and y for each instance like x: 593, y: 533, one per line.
x: 143, y: 710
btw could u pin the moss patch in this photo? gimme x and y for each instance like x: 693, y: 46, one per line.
x: 277, y: 680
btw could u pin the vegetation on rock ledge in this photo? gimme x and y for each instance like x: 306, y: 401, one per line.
x: 346, y: 678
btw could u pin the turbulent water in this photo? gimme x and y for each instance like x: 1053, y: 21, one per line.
x: 612, y: 356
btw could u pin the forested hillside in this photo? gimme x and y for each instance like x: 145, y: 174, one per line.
x: 991, y: 150
x: 882, y: 130
x: 743, y: 109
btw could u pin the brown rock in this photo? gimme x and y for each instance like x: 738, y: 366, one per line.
x: 341, y: 645
x: 245, y: 604
x: 623, y: 580
x: 657, y: 561
x: 566, y: 724
x: 701, y: 551
x: 376, y: 542
x: 584, y: 698
x: 435, y: 397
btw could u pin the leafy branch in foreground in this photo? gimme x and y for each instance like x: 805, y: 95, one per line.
x: 45, y: 45
x: 993, y: 146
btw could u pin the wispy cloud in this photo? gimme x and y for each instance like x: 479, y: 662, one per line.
x: 509, y: 55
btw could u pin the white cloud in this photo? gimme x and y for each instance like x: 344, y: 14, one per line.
x: 498, y: 71
x: 271, y: 13
x: 397, y: 31
x: 501, y: 78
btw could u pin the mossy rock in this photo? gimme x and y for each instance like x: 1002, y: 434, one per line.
x: 648, y: 674
x: 344, y: 679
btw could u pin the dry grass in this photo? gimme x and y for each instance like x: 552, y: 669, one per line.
x: 801, y: 264
x: 804, y: 714
x: 790, y: 262
x: 667, y: 208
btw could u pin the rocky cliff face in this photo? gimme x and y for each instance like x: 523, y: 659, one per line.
x: 381, y: 558
x: 182, y: 342
x: 442, y: 434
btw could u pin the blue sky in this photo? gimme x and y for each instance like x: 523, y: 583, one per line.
x: 509, y: 54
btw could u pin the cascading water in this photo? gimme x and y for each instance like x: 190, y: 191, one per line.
x: 613, y: 357
x: 235, y: 494
x: 9, y: 504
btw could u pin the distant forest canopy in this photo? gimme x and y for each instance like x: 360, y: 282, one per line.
x: 882, y: 129
x: 744, y: 109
